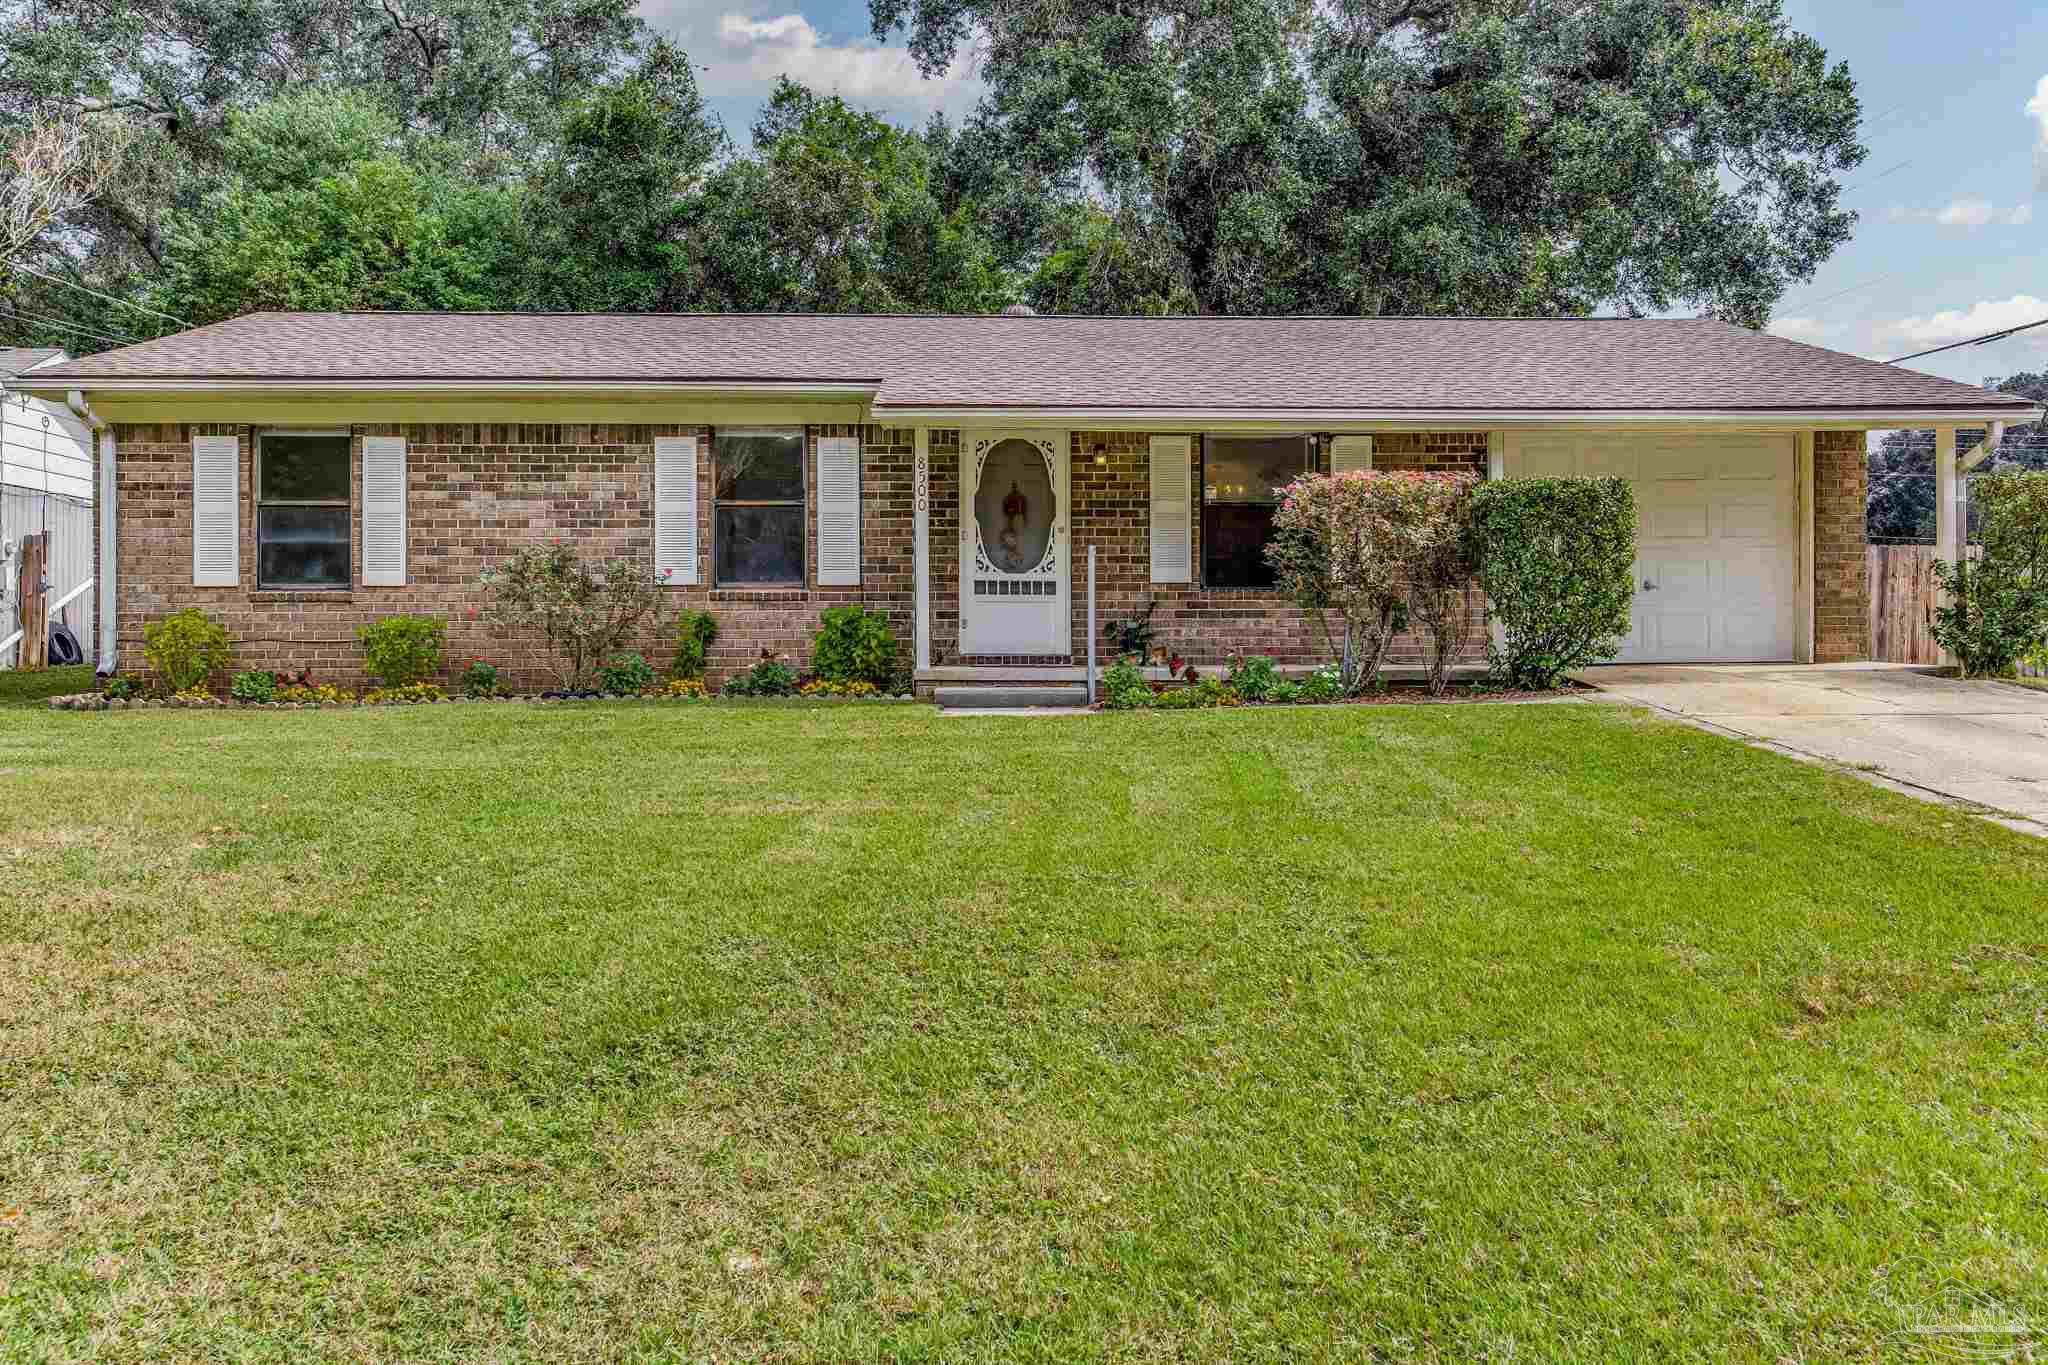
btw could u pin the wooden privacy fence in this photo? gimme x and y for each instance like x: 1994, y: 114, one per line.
x: 1902, y: 590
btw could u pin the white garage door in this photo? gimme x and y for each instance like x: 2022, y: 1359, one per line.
x: 1717, y: 538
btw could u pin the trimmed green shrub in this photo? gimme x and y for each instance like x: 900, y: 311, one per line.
x: 1997, y: 612
x: 480, y: 679
x: 254, y: 684
x: 694, y: 633
x: 768, y: 678
x: 1325, y: 684
x: 1253, y: 677
x: 853, y: 644
x: 1124, y: 687
x: 186, y: 647
x: 401, y: 650
x: 1556, y: 560
x: 627, y: 675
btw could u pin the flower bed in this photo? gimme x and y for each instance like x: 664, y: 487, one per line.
x: 334, y: 699
x: 1255, y: 681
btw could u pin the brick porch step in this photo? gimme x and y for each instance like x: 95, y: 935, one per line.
x: 988, y: 697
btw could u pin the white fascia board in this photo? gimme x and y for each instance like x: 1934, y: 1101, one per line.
x: 1356, y: 419
x: 511, y: 388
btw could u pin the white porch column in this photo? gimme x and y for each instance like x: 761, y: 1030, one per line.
x: 1947, y: 486
x: 921, y: 536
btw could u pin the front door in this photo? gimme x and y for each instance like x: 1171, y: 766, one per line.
x: 1013, y: 543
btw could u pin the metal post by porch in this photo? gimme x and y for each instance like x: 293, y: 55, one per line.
x: 1091, y: 625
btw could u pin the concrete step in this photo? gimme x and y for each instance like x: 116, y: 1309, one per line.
x: 987, y: 697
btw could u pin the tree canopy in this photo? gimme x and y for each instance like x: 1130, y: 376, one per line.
x: 1272, y: 156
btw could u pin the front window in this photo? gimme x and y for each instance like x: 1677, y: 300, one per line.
x: 757, y: 524
x: 1241, y: 481
x: 302, y: 509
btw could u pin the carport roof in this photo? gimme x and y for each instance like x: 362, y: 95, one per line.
x: 1033, y: 364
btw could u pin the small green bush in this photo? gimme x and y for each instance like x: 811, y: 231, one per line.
x: 254, y: 684
x: 768, y: 678
x: 854, y: 644
x: 1325, y: 684
x: 480, y: 679
x: 401, y: 650
x: 1556, y: 559
x: 1253, y: 677
x: 121, y: 687
x: 694, y: 633
x: 1284, y: 692
x: 186, y: 648
x: 1997, y: 608
x: 627, y: 675
x: 1124, y: 687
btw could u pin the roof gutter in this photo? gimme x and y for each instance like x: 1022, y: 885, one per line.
x: 109, y: 527
x: 825, y: 389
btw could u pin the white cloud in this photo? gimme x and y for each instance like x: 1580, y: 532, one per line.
x: 1967, y: 211
x: 1960, y: 324
x: 743, y: 49
x: 1801, y: 328
x: 2037, y: 109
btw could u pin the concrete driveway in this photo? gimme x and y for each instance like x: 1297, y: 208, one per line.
x: 1981, y: 742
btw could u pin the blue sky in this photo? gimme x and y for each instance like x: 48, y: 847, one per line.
x: 1953, y: 237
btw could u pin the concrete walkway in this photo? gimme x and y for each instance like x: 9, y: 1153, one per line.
x: 1984, y: 743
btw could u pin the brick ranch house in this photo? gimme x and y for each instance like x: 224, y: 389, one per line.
x: 296, y: 475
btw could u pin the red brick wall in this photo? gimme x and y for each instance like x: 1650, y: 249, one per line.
x: 1111, y: 511
x: 1841, y: 586
x: 477, y: 492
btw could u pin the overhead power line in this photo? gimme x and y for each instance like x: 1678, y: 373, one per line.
x: 64, y: 326
x: 125, y: 303
x: 1973, y: 341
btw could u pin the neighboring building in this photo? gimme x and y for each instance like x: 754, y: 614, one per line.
x: 296, y: 475
x: 45, y: 485
x: 47, y: 449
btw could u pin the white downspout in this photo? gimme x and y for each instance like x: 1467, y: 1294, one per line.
x: 103, y: 439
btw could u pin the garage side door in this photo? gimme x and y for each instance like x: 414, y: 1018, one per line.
x: 1716, y: 538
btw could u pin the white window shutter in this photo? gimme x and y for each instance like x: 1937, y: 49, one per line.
x: 1348, y: 453
x: 675, y: 510
x: 839, y: 511
x: 384, y: 511
x: 1172, y: 509
x: 216, y: 512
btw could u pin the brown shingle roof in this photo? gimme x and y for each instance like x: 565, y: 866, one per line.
x: 1211, y: 363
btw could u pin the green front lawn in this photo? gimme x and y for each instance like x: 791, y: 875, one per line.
x: 33, y: 687
x: 857, y: 1033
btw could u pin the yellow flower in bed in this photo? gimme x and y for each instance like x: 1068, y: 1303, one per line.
x: 825, y: 687
x: 411, y: 692
x: 319, y: 694
x: 683, y: 688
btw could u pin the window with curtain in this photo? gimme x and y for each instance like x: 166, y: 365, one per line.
x: 302, y: 510
x: 1241, y: 479
x: 757, y: 518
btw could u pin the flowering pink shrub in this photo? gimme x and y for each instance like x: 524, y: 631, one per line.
x: 1368, y: 545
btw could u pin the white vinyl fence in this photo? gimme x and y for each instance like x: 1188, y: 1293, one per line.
x: 24, y: 512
